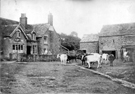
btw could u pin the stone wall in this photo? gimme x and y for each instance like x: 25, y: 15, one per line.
x: 52, y: 44
x: 115, y: 43
x: 90, y: 47
x: 8, y: 45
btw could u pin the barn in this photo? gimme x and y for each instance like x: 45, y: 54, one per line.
x: 89, y: 43
x: 118, y: 38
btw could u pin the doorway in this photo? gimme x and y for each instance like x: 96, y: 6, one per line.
x: 110, y: 52
x: 28, y: 50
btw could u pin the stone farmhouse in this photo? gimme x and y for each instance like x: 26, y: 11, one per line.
x: 117, y: 38
x: 89, y: 43
x: 22, y: 38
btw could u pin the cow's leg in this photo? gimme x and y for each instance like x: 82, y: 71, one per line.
x: 99, y: 64
x: 125, y: 59
x: 88, y: 64
x: 62, y: 61
x: 83, y: 62
x: 65, y: 61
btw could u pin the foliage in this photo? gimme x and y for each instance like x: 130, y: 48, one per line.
x: 69, y: 41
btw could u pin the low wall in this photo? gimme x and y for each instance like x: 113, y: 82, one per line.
x: 45, y: 58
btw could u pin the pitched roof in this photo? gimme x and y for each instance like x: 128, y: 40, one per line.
x: 7, y: 26
x: 4, y: 21
x: 29, y: 29
x: 89, y: 38
x: 118, y: 29
x: 8, y: 29
x: 40, y: 29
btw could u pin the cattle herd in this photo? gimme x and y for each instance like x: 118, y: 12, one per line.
x: 88, y: 59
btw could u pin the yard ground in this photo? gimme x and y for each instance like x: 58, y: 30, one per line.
x: 53, y: 77
x: 125, y: 71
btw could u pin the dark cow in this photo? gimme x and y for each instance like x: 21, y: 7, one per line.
x: 71, y: 57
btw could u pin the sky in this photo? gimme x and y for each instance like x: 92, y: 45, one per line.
x: 81, y: 16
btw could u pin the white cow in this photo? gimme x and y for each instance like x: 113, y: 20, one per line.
x: 94, y: 57
x: 104, y: 58
x: 63, y: 58
x: 126, y: 56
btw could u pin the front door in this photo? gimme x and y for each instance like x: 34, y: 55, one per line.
x: 28, y: 50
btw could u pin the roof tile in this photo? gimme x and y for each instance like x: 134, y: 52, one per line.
x: 89, y: 38
x: 118, y: 29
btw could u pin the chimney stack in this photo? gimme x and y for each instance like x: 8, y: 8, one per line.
x: 23, y: 20
x: 50, y: 19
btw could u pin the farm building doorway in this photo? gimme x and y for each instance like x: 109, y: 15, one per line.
x: 110, y: 52
x: 131, y: 50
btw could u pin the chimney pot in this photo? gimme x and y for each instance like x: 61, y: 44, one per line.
x: 23, y: 15
x: 50, y: 19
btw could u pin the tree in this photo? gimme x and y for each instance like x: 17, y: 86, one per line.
x: 73, y: 33
x: 70, y: 42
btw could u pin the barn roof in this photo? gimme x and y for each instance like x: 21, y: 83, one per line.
x: 89, y: 38
x: 118, y: 29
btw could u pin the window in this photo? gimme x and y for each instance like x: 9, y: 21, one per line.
x: 34, y: 49
x: 13, y: 47
x: 45, y: 38
x: 21, y: 47
x: 17, y: 47
x: 18, y: 34
x: 45, y: 51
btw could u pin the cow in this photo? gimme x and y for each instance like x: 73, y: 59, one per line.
x: 111, y: 58
x: 71, y: 57
x: 92, y: 58
x: 83, y: 58
x: 104, y: 59
x: 126, y: 56
x: 63, y: 58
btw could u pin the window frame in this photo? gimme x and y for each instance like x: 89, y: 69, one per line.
x: 18, y: 34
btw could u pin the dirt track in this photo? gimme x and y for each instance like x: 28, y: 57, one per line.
x: 52, y: 77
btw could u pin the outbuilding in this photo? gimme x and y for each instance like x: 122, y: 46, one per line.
x: 117, y: 38
x: 89, y: 43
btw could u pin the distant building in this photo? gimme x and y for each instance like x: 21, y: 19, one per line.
x: 89, y: 43
x: 117, y: 38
